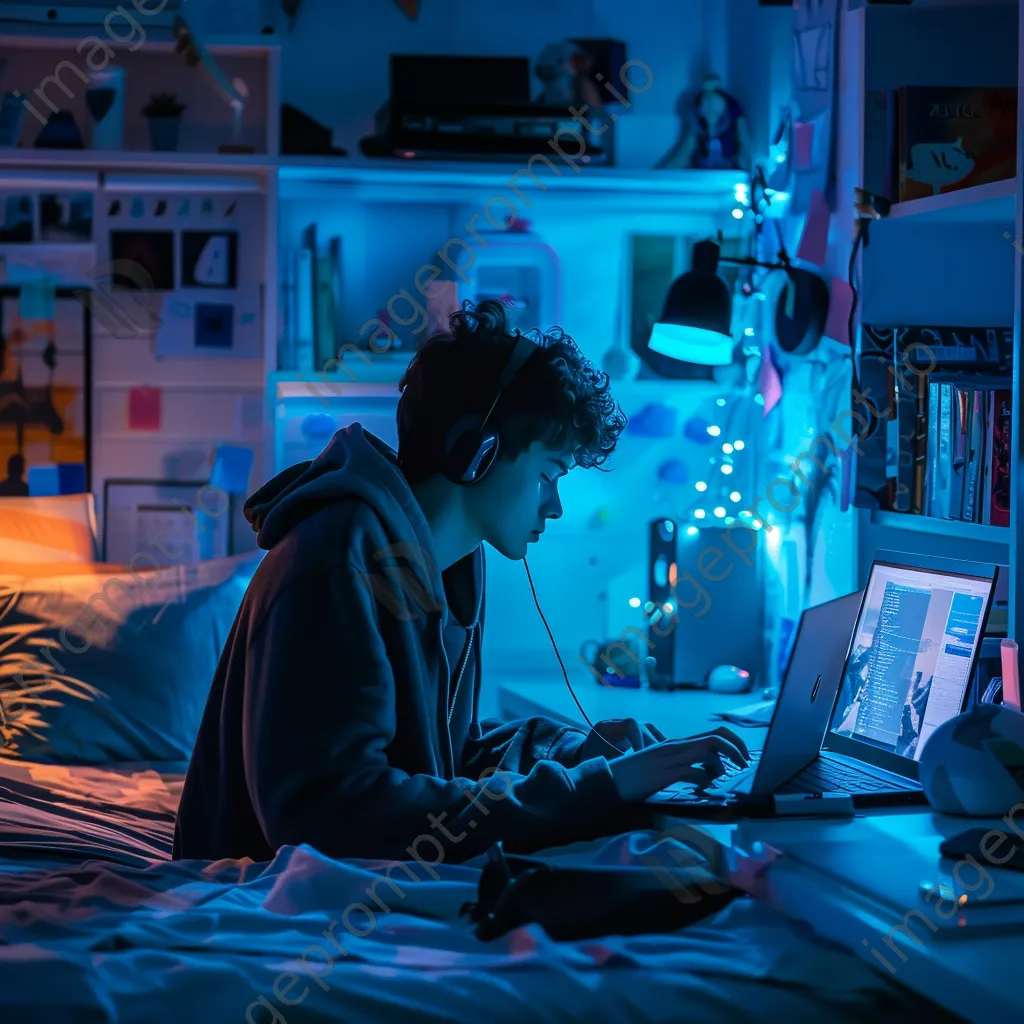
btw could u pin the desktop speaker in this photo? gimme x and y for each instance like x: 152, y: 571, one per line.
x: 705, y: 603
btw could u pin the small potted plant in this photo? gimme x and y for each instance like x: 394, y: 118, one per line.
x: 164, y: 111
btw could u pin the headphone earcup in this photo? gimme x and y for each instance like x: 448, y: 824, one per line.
x: 469, y: 452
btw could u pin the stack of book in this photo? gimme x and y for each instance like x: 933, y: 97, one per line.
x: 965, y: 472
x: 933, y: 414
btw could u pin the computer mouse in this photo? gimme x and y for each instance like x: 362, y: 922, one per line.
x: 729, y: 679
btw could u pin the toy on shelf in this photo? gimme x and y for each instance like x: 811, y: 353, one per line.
x: 714, y: 132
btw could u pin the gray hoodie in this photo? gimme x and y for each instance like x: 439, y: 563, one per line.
x: 343, y: 712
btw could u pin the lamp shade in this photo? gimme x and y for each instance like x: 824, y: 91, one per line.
x: 695, y: 324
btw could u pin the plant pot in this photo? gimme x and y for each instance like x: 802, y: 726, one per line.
x: 163, y: 133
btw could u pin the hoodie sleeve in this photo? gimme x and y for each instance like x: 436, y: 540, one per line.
x: 518, y: 745
x: 318, y: 719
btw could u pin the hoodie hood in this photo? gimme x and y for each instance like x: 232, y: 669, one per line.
x: 356, y: 465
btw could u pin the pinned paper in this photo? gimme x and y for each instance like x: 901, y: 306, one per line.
x: 840, y: 303
x: 43, y: 481
x: 803, y: 145
x: 813, y: 246
x: 770, y: 384
x: 71, y: 477
x: 231, y: 468
x: 36, y: 299
x: 144, y: 409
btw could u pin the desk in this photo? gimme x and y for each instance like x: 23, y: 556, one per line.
x: 980, y: 977
x: 676, y: 713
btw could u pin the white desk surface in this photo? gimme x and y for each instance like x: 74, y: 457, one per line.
x: 978, y: 976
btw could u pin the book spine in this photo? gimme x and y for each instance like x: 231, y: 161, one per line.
x: 305, y: 345
x: 934, y: 415
x: 986, y: 457
x: 1002, y: 432
x: 958, y: 453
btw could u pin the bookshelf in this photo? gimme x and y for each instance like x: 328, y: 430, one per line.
x: 943, y: 260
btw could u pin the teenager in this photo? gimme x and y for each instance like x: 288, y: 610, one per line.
x: 343, y: 712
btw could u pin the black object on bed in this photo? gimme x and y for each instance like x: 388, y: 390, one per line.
x: 573, y: 903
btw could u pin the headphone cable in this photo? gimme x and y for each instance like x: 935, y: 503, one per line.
x: 565, y: 674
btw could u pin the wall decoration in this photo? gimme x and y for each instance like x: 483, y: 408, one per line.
x: 44, y: 388
x: 19, y: 213
x: 144, y: 407
x: 209, y: 259
x: 211, y: 324
x: 65, y: 217
x: 171, y: 521
x: 214, y: 325
x: 152, y: 253
x: 815, y: 45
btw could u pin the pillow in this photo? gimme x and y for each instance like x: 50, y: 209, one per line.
x: 110, y: 665
x: 49, y: 529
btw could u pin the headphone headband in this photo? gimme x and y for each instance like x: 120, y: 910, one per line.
x: 470, y: 448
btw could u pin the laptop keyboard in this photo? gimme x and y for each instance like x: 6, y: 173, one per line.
x: 824, y: 776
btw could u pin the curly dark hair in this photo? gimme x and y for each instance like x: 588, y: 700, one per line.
x: 558, y: 397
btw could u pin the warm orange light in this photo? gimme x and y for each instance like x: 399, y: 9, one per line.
x: 672, y: 575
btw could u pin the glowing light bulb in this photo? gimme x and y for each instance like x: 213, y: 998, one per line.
x: 738, y: 213
x: 720, y: 402
x: 720, y: 512
x: 634, y: 602
x: 692, y: 531
x: 699, y: 513
x: 714, y: 431
x: 739, y: 445
x: 749, y: 332
x: 735, y: 496
x: 757, y: 524
x: 727, y: 448
x: 701, y: 485
x: 727, y: 469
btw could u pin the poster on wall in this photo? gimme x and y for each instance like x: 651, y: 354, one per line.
x: 815, y: 55
x: 44, y: 387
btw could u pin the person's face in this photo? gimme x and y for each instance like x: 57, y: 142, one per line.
x: 511, y: 505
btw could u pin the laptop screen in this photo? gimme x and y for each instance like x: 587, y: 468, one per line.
x: 911, y: 657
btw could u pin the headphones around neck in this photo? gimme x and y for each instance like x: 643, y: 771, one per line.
x: 470, y: 448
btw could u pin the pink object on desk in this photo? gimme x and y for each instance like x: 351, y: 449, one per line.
x: 1011, y: 674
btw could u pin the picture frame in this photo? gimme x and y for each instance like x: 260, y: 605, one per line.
x: 151, y: 523
x: 45, y: 390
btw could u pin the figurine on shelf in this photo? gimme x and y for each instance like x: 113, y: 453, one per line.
x: 714, y: 135
x: 563, y: 69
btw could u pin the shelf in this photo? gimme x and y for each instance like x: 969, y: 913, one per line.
x: 983, y: 203
x: 301, y: 176
x: 159, y: 38
x: 942, y: 527
x: 115, y: 160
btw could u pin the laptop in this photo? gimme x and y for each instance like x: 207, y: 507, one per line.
x: 909, y: 669
x: 906, y: 668
x: 801, y: 714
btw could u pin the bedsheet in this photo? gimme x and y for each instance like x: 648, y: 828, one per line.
x: 123, y: 813
x: 304, y: 938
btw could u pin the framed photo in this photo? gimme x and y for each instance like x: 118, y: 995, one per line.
x: 45, y: 394
x: 164, y: 522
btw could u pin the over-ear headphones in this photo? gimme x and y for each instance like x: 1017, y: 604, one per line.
x: 470, y: 447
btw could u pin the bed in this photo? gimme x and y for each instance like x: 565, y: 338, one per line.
x: 98, y: 924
